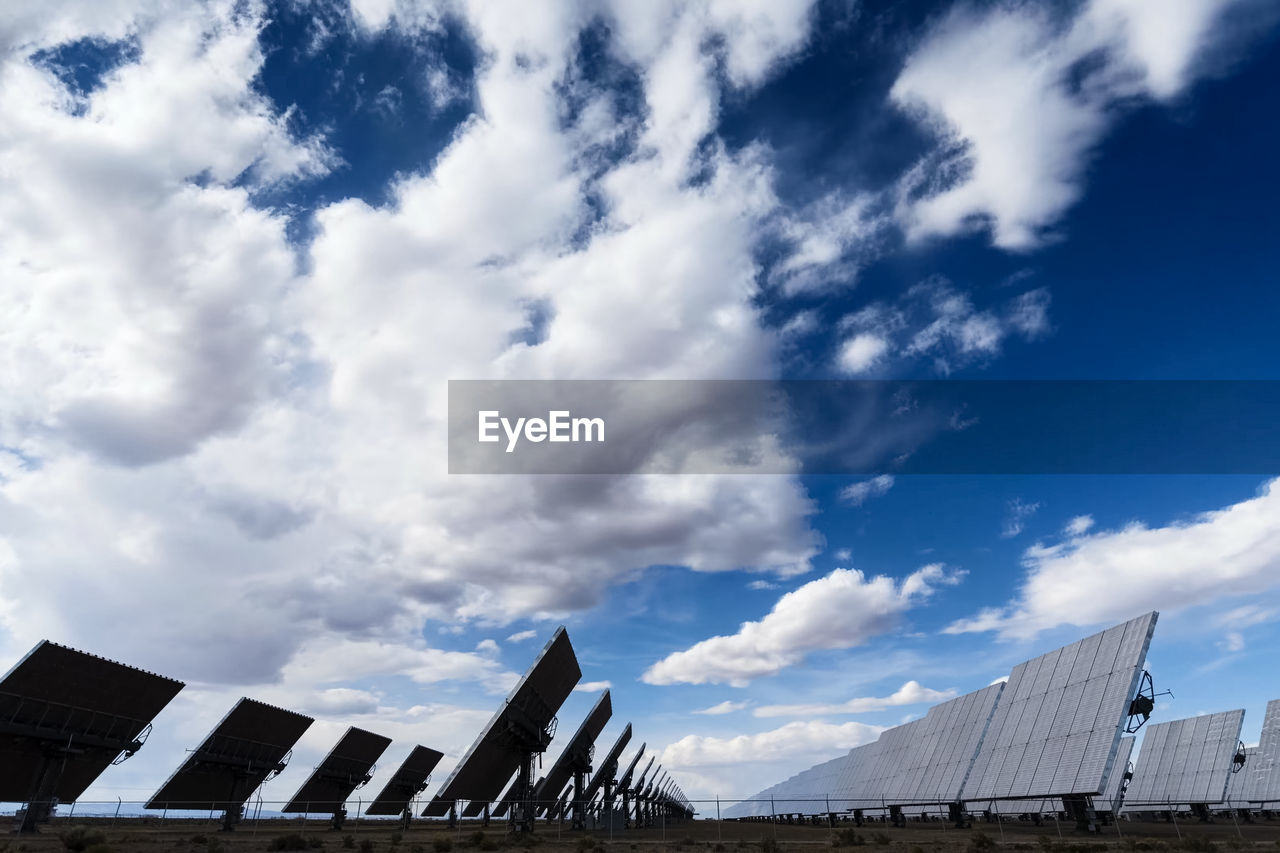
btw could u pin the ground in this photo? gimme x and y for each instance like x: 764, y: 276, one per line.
x: 154, y: 835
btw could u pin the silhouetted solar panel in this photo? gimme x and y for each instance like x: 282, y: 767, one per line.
x: 500, y: 807
x: 625, y: 779
x: 65, y: 716
x: 608, y: 768
x: 406, y: 783
x: 576, y: 750
x: 247, y: 746
x: 531, y: 706
x: 347, y: 766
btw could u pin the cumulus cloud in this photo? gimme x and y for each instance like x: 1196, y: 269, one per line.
x: 726, y: 707
x: 858, y: 493
x: 841, y: 610
x: 762, y: 584
x: 1218, y: 554
x: 861, y: 352
x: 1019, y: 98
x: 258, y: 442
x: 793, y: 739
x: 910, y: 693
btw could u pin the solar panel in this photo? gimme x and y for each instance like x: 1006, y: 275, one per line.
x: 500, y: 808
x: 576, y: 754
x: 1239, y: 783
x: 245, y: 748
x: 406, y: 783
x: 65, y: 716
x: 1185, y: 761
x: 625, y: 779
x: 1264, y: 778
x: 1057, y: 725
x: 1111, y: 797
x: 607, y: 769
x: 927, y: 759
x: 347, y: 766
x: 497, y: 753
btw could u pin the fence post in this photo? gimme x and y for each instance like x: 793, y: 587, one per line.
x: 719, y: 825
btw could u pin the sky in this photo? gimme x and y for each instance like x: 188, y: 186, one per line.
x: 245, y: 245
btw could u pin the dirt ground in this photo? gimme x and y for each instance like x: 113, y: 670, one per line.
x: 152, y: 835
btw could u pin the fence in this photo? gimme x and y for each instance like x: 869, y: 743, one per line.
x: 789, y: 819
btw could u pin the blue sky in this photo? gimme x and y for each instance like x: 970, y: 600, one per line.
x: 247, y: 245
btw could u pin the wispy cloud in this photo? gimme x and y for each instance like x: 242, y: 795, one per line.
x: 911, y: 693
x: 592, y: 686
x: 1015, y: 518
x: 725, y: 707
x: 858, y: 493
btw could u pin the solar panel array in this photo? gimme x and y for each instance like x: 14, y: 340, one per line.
x: 561, y: 771
x: 607, y: 769
x: 1185, y: 761
x: 246, y: 746
x: 1264, y: 778
x: 1239, y: 783
x: 1057, y: 726
x: 490, y: 762
x: 345, y: 768
x: 1053, y: 730
x: 87, y: 708
x: 408, y: 780
x: 1110, y: 799
x: 926, y: 761
x: 66, y: 715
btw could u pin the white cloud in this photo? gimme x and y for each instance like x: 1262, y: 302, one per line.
x: 521, y: 636
x: 1232, y: 642
x: 796, y: 738
x: 260, y: 443
x: 843, y: 555
x: 861, y: 353
x: 487, y: 647
x: 592, y: 686
x: 857, y: 493
x: 841, y: 610
x: 910, y: 693
x: 1015, y: 518
x: 1079, y: 525
x: 1248, y: 615
x: 1227, y: 552
x: 725, y: 707
x: 936, y: 320
x: 1019, y: 99
x: 762, y: 584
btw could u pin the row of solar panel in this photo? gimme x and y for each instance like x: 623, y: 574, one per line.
x: 65, y: 716
x: 1053, y: 730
